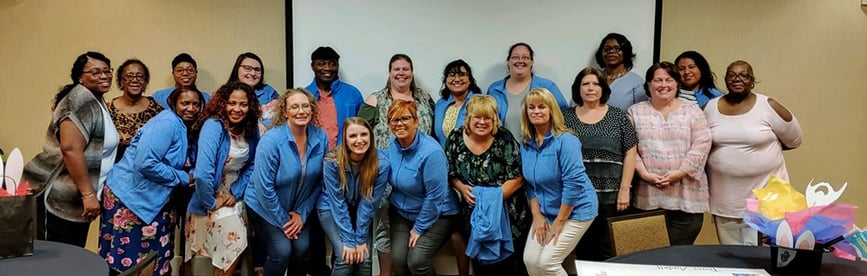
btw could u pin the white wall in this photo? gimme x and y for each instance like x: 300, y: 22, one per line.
x: 564, y: 35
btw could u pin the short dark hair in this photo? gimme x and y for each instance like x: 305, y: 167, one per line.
x: 455, y: 67
x: 708, y: 79
x: 128, y: 62
x: 625, y: 46
x: 234, y: 75
x: 324, y: 53
x: 576, y: 85
x: 76, y: 72
x: 184, y: 57
x: 669, y: 68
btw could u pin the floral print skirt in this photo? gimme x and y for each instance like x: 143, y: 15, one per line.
x: 221, y: 235
x: 124, y: 239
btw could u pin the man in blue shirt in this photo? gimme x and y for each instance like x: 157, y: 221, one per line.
x: 184, y: 71
x: 337, y: 100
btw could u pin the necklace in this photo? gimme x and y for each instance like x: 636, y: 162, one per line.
x: 612, y: 77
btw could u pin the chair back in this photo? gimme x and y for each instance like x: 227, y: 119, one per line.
x: 637, y: 232
x: 144, y: 267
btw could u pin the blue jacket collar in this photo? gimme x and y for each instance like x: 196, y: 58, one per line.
x: 412, y: 147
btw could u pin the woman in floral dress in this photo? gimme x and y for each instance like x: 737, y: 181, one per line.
x: 216, y: 226
x: 136, y: 218
x: 482, y: 154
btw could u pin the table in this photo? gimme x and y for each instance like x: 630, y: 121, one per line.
x: 731, y: 256
x: 53, y: 258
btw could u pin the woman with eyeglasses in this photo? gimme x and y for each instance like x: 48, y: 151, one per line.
x: 750, y: 132
x: 132, y: 109
x: 561, y: 198
x: 423, y: 209
x: 79, y: 150
x: 673, y: 143
x: 699, y: 83
x: 216, y: 228
x: 136, y: 217
x: 459, y: 86
x: 400, y: 86
x: 250, y: 70
x: 287, y: 182
x: 511, y: 90
x: 485, y: 167
x: 615, y: 57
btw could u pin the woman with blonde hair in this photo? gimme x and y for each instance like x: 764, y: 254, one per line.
x: 484, y: 161
x: 287, y: 181
x: 562, y: 199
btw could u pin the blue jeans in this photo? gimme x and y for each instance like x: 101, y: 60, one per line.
x: 340, y: 267
x: 418, y: 260
x: 282, y: 251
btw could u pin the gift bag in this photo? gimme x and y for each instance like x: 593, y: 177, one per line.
x: 17, y: 209
x: 17, y: 225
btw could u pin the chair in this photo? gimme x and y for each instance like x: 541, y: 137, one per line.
x: 145, y: 267
x: 637, y: 232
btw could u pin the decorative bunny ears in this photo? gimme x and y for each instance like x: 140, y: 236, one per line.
x: 11, y: 175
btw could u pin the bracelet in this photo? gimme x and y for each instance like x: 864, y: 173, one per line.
x: 90, y: 194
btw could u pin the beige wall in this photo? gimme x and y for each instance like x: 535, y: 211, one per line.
x: 809, y: 55
x: 41, y: 38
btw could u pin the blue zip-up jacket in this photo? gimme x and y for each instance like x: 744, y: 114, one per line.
x: 162, y: 96
x: 556, y: 175
x: 347, y: 101
x: 152, y: 166
x: 702, y: 97
x: 266, y: 95
x: 498, y: 91
x: 277, y: 186
x: 440, y: 113
x: 214, y: 143
x: 339, y: 202
x: 419, y: 180
x: 491, y: 234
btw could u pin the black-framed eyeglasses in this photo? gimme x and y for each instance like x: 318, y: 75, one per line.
x: 731, y: 76
x: 401, y: 120
x: 185, y: 70
x: 614, y: 49
x: 251, y: 69
x: 98, y: 72
x: 133, y: 77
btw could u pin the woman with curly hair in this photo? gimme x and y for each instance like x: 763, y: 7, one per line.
x: 287, y: 181
x: 216, y: 227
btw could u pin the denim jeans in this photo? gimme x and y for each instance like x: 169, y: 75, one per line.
x: 282, y: 251
x: 418, y: 260
x: 340, y: 267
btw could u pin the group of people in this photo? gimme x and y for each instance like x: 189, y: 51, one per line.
x: 515, y: 179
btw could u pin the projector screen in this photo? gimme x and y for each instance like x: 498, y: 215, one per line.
x: 564, y: 35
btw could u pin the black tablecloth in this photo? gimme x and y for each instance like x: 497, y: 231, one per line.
x: 731, y: 256
x: 52, y: 258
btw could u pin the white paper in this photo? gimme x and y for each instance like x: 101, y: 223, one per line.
x: 587, y: 268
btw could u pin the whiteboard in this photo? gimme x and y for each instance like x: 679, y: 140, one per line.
x: 564, y: 35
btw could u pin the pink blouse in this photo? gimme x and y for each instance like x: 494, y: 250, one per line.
x: 681, y: 142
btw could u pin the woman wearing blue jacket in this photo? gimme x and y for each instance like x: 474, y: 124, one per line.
x: 216, y: 229
x: 287, y: 182
x: 423, y: 210
x: 562, y: 200
x: 510, y: 90
x: 354, y: 176
x: 135, y: 218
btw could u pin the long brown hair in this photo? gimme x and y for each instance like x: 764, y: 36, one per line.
x: 369, y: 167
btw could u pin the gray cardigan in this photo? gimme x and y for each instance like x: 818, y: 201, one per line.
x: 46, y: 172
